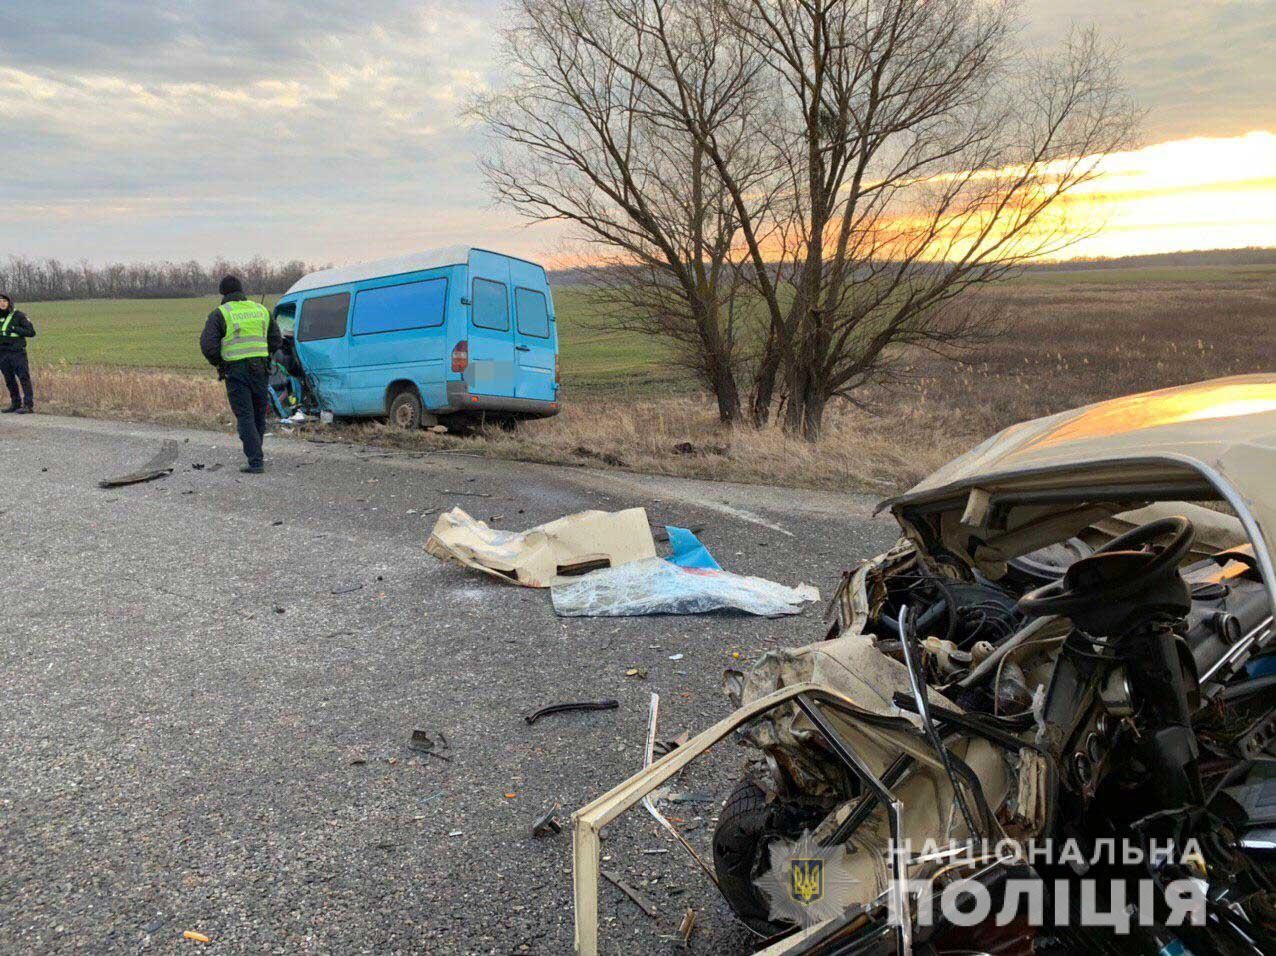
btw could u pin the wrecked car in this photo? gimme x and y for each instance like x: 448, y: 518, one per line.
x: 1044, y: 721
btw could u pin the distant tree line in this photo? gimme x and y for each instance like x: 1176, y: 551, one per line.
x: 44, y: 280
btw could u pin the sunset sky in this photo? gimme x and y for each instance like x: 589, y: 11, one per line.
x: 329, y: 131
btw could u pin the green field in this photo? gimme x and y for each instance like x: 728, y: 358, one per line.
x: 164, y: 333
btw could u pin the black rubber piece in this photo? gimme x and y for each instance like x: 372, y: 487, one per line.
x: 567, y: 708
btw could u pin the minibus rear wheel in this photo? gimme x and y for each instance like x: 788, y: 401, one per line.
x: 405, y: 409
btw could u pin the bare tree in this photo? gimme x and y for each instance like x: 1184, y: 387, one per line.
x: 878, y: 160
x: 923, y: 157
x: 587, y: 138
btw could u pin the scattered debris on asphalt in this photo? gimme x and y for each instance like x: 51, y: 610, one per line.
x: 687, y: 927
x: 569, y: 707
x: 547, y: 554
x: 637, y: 672
x: 641, y: 901
x: 347, y: 589
x: 545, y: 825
x: 422, y: 742
x: 663, y: 747
x: 196, y: 937
x: 160, y: 466
x: 649, y: 757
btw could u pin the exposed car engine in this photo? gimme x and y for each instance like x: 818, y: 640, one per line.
x: 1113, y: 677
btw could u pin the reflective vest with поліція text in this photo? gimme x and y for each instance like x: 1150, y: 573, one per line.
x: 247, y: 325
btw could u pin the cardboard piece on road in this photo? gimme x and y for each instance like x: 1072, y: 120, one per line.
x: 547, y: 554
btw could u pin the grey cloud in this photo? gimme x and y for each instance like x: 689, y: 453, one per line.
x: 1202, y: 68
x: 304, y: 113
x: 329, y: 129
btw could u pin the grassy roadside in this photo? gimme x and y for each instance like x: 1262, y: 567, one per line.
x: 1073, y: 339
x: 649, y: 435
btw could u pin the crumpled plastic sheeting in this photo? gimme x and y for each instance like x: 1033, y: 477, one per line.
x: 656, y: 586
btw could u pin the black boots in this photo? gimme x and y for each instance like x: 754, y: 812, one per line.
x: 25, y: 410
x: 15, y: 407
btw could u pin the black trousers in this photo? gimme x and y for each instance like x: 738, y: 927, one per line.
x: 13, y: 363
x: 246, y: 391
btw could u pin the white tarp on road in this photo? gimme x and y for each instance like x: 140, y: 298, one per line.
x: 656, y: 586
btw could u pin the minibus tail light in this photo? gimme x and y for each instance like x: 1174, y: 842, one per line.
x: 461, y: 357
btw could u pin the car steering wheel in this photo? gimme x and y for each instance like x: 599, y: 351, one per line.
x: 1118, y: 569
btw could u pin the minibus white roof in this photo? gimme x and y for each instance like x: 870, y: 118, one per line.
x: 412, y: 262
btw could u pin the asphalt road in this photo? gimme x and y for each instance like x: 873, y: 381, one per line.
x: 208, y: 683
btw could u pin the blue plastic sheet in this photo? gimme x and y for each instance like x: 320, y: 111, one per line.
x: 688, y: 552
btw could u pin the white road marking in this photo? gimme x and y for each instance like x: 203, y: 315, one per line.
x: 743, y: 515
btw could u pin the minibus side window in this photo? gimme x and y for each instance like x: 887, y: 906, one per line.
x: 491, y: 307
x: 324, y: 317
x: 533, y: 315
x: 400, y: 308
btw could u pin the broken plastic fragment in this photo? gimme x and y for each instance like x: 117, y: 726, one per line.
x: 162, y: 464
x: 688, y: 552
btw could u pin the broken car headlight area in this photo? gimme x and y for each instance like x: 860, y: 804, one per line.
x: 1045, y: 721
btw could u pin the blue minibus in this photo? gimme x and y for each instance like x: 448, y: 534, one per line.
x: 452, y: 332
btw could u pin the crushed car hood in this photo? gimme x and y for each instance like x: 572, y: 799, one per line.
x: 1024, y: 485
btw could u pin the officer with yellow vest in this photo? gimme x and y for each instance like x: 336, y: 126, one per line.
x: 239, y: 338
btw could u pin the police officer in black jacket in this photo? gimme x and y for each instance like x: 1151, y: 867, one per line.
x: 15, y: 329
x: 238, y: 340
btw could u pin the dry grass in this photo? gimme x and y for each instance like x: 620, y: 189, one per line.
x: 1071, y: 343
x: 175, y: 398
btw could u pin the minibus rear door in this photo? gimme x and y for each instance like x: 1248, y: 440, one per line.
x: 491, y: 329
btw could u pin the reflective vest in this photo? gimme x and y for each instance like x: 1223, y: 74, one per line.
x: 4, y: 328
x: 247, y: 324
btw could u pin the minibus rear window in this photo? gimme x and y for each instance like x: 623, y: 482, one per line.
x: 491, y: 307
x: 533, y: 315
x: 324, y: 317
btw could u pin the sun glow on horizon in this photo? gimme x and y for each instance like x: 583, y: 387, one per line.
x: 1182, y: 195
x: 1189, y: 194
